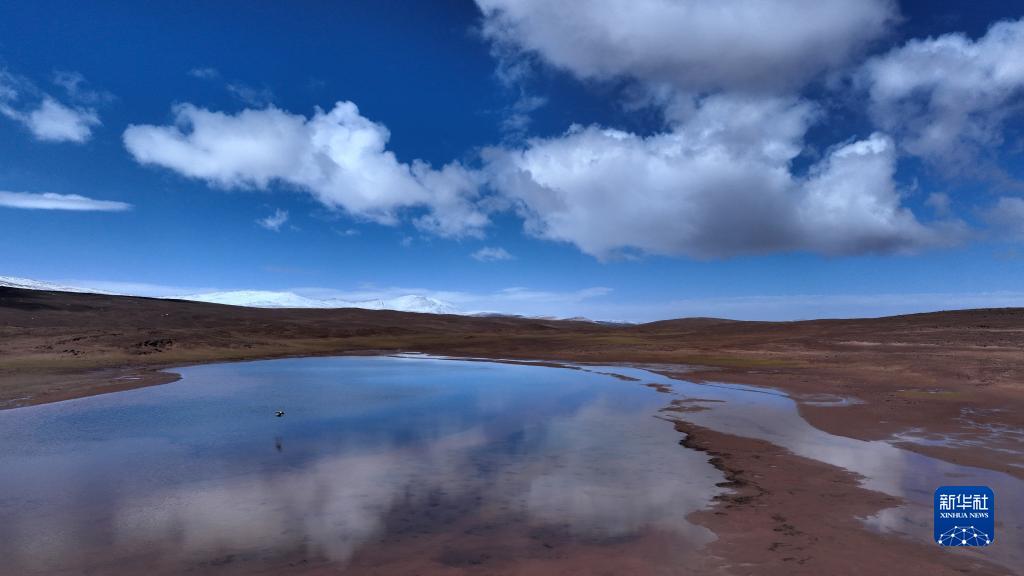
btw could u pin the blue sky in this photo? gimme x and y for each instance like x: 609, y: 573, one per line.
x: 664, y: 160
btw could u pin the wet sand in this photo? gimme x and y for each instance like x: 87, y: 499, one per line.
x: 790, y: 515
x: 948, y: 385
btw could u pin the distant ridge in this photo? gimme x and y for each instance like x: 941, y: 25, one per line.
x: 286, y: 299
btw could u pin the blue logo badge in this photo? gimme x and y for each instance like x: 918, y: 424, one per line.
x: 964, y: 516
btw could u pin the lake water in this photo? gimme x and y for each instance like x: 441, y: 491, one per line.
x: 406, y: 465
x: 378, y: 461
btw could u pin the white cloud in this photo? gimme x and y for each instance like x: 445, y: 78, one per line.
x: 849, y: 204
x: 250, y: 95
x: 718, y: 185
x: 939, y: 202
x: 339, y: 157
x: 204, y: 73
x: 1007, y: 217
x: 692, y: 45
x: 51, y: 201
x: 521, y: 294
x: 74, y: 84
x: 8, y: 91
x: 719, y: 181
x: 47, y: 118
x: 247, y: 94
x: 452, y: 193
x: 948, y: 96
x: 518, y: 117
x: 492, y: 254
x: 55, y: 122
x: 274, y: 221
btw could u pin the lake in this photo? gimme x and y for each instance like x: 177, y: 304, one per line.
x: 403, y: 465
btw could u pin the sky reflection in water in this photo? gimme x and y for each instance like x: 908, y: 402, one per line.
x: 372, y: 452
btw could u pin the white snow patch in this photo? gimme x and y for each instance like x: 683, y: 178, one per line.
x: 269, y: 299
x: 28, y: 284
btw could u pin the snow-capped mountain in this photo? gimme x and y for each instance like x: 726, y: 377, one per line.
x: 268, y: 299
x: 28, y: 284
x: 417, y: 303
x: 256, y: 299
x: 284, y: 299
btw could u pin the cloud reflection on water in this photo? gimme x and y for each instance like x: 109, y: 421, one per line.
x: 586, y: 460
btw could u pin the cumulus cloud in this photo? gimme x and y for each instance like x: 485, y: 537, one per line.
x: 47, y: 118
x: 339, y: 157
x: 274, y: 221
x: 718, y: 185
x: 948, y: 96
x: 492, y: 254
x: 692, y: 45
x: 51, y: 201
x: 849, y: 204
x: 719, y: 181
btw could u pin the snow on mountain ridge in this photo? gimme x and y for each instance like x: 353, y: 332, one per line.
x: 29, y: 284
x: 256, y: 299
x: 417, y: 303
x: 266, y: 298
x: 275, y: 299
x: 269, y: 299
